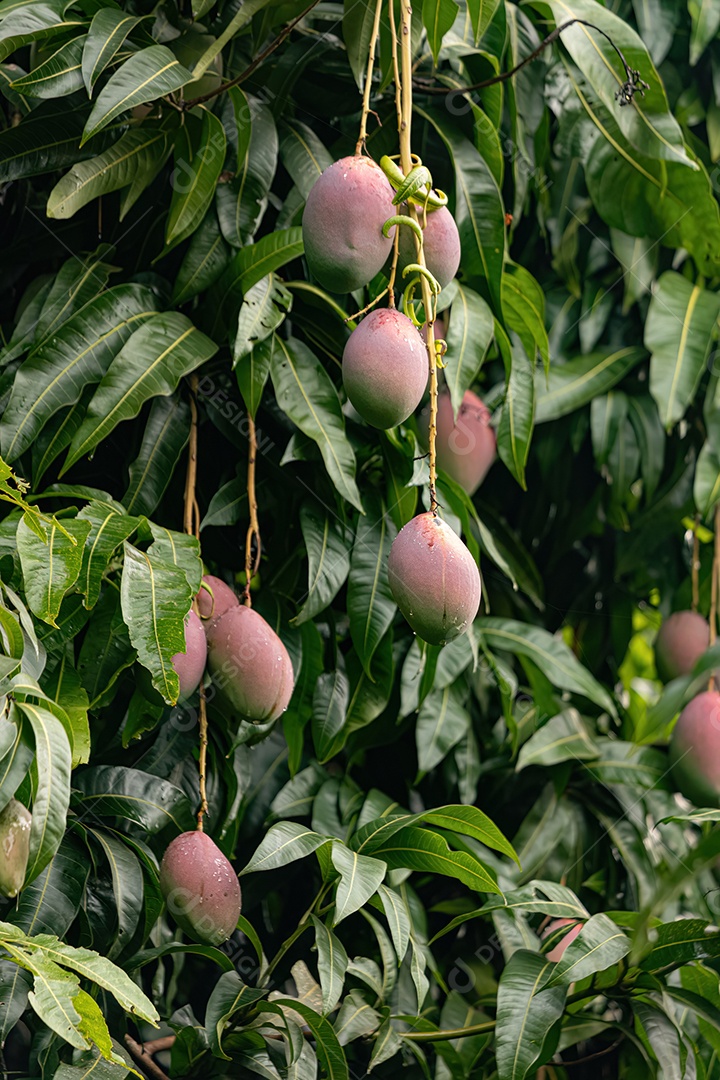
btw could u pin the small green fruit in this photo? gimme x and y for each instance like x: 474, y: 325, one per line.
x: 201, y: 889
x: 15, y: 823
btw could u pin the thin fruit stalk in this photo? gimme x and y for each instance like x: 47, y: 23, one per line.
x: 405, y: 134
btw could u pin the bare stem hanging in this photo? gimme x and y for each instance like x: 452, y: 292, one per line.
x: 695, y: 569
x: 406, y: 163
x: 367, y: 89
x: 191, y: 525
x: 252, y: 537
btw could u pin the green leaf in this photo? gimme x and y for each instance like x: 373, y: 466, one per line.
x: 524, y: 310
x: 150, y: 364
x: 329, y: 1050
x: 127, y: 883
x: 164, y: 439
x: 51, y: 902
x: 263, y: 310
x: 57, y: 76
x: 468, y: 337
x: 107, y: 32
x: 332, y: 964
x: 329, y: 709
x: 155, y: 597
x: 574, y: 384
x: 648, y: 123
x: 79, y: 353
x: 199, y: 155
x: 303, y: 155
x: 77, y: 282
x: 563, y: 738
x: 252, y: 374
x: 479, y: 209
x: 204, y: 261
x: 229, y: 996
x: 665, y: 1039
x: 549, y: 653
x: 133, y: 795
x: 16, y: 757
x: 106, y: 649
x: 360, y: 878
x: 134, y: 159
x: 518, y: 412
x: 355, y: 1019
x: 398, y: 917
x: 681, y: 942
x: 52, y: 567
x: 370, y: 604
x: 108, y: 529
x: 706, y: 488
x: 45, y: 140
x: 420, y: 849
x: 242, y: 202
x: 32, y: 22
x: 284, y: 843
x: 528, y: 1019
x: 250, y: 265
x: 543, y: 897
x: 705, y: 24
x: 147, y: 75
x: 53, y: 760
x: 438, y: 17
x: 328, y: 557
x: 53, y: 993
x: 678, y: 328
x: 357, y: 23
x: 243, y: 16
x: 598, y: 946
x: 180, y: 549
x: 442, y: 722
x: 470, y: 821
x: 65, y: 688
x: 306, y: 394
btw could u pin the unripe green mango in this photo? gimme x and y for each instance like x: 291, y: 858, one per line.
x: 695, y: 750
x: 441, y: 246
x: 681, y: 641
x: 434, y: 579
x: 385, y: 368
x: 342, y: 224
x: 249, y: 665
x: 201, y: 889
x: 15, y: 823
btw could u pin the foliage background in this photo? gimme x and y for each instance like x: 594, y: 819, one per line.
x: 142, y: 243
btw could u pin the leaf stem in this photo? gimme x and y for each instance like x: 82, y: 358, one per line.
x: 367, y: 89
x: 696, y: 564
x: 452, y: 1033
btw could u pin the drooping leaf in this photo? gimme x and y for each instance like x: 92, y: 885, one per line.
x: 150, y: 364
x: 132, y: 795
x: 468, y: 336
x: 164, y: 439
x: 574, y: 384
x: 370, y: 604
x: 332, y: 964
x: 57, y: 76
x: 135, y: 159
x: 107, y: 32
x: 442, y: 722
x: 148, y: 74
x: 204, y: 261
x: 303, y: 155
x: 53, y: 759
x: 108, y: 529
x: 438, y: 17
x: 51, y: 567
x: 283, y: 844
x: 155, y: 597
x: 79, y: 354
x: 680, y: 320
x: 199, y: 155
x: 230, y: 995
x: 307, y: 395
x: 528, y: 1019
x: 327, y: 547
x: 599, y: 944
x: 360, y: 878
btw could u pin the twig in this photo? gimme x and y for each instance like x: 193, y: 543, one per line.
x: 368, y: 78
x: 202, y: 756
x: 191, y: 524
x: 695, y: 571
x: 255, y: 64
x: 143, y: 1060
x: 252, y: 538
x: 624, y: 95
x: 591, y: 1057
x: 156, y: 1046
x: 406, y: 164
